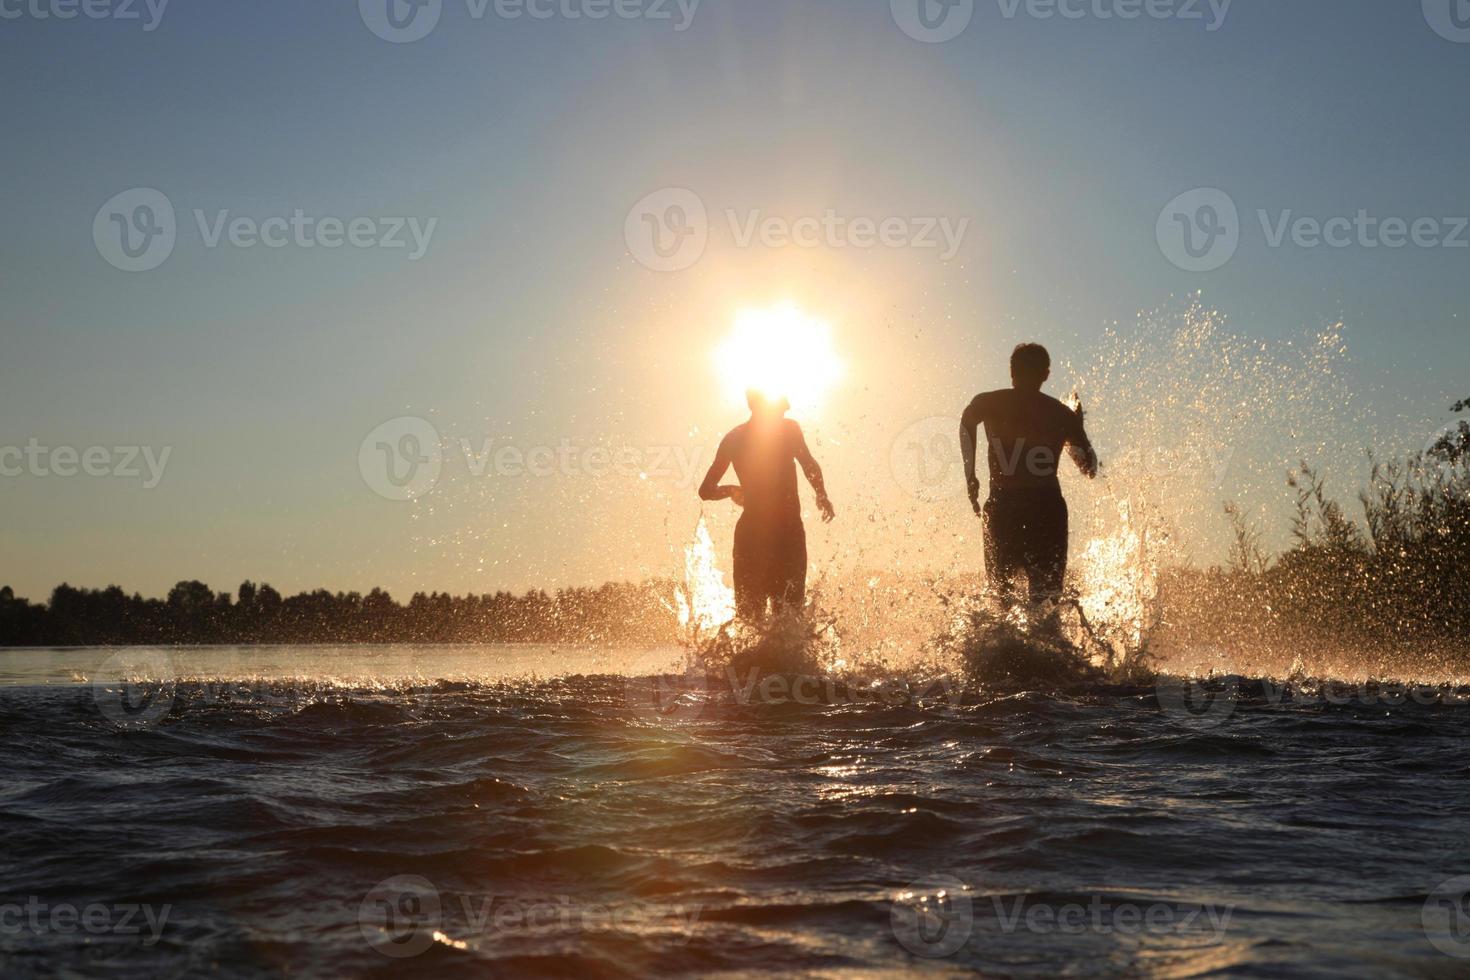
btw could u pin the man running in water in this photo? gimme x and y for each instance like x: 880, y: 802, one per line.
x: 770, y: 541
x: 1025, y: 518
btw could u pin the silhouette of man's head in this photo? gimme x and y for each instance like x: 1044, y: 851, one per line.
x: 764, y: 406
x: 1030, y: 366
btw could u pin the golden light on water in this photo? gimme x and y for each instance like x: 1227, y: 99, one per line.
x: 781, y: 352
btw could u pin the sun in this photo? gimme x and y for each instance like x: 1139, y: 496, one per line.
x: 782, y: 353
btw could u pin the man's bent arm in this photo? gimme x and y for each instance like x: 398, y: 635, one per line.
x: 1079, y: 447
x: 710, y: 489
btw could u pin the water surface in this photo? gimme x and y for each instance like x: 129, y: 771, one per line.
x: 539, y: 812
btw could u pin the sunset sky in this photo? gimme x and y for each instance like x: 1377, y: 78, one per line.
x: 533, y: 317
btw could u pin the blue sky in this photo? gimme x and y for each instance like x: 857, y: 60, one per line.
x: 528, y: 320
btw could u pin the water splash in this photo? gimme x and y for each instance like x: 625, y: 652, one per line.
x: 1117, y: 583
x: 704, y: 602
x: 790, y: 642
x: 1046, y: 647
x: 1188, y: 413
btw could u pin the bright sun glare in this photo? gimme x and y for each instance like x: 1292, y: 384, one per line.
x: 780, y: 352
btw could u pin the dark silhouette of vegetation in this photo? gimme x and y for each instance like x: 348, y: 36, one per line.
x: 1398, y: 577
x: 195, y: 614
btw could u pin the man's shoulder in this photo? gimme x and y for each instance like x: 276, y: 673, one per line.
x: 987, y: 397
x: 1067, y: 419
x: 794, y: 438
x: 735, y: 436
x: 1060, y: 408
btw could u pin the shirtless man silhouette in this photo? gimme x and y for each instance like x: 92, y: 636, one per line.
x: 770, y: 540
x: 1025, y: 517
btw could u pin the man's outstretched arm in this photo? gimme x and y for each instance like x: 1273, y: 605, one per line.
x: 712, y: 489
x: 969, y: 431
x: 813, y: 476
x: 1079, y: 447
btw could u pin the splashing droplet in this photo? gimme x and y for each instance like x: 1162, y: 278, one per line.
x: 705, y: 602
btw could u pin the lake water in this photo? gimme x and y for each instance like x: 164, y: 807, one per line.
x: 569, y: 812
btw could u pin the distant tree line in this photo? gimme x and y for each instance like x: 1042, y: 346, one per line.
x: 1400, y: 576
x: 194, y: 614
